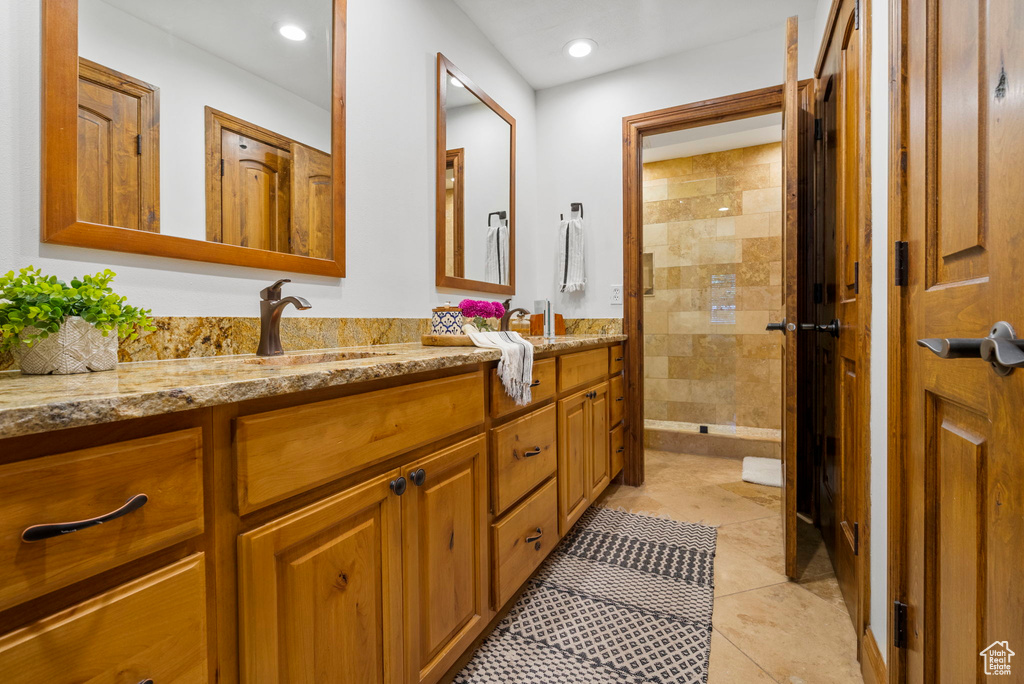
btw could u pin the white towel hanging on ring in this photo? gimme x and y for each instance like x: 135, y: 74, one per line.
x: 572, y: 273
x: 496, y: 266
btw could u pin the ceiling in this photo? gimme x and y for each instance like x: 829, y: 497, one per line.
x: 532, y: 33
x: 730, y: 135
x: 245, y: 33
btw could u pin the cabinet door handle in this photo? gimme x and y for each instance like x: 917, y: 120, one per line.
x: 146, y: 681
x: 398, y: 486
x: 540, y: 533
x: 418, y: 477
x: 40, y: 532
x: 619, y: 358
x: 532, y: 452
x: 534, y: 383
x: 620, y: 450
x: 619, y: 398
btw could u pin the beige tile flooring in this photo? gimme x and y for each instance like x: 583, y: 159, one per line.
x: 767, y: 628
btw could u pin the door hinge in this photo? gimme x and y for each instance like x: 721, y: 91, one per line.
x: 819, y: 293
x: 221, y: 167
x: 899, y: 624
x: 856, y: 277
x: 817, y: 129
x: 856, y: 15
x: 901, y: 257
x: 138, y: 145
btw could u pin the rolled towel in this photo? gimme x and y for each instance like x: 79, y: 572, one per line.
x: 515, y: 369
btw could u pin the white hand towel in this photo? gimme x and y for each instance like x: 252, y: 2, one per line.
x: 496, y: 258
x: 571, y: 267
x: 516, y: 365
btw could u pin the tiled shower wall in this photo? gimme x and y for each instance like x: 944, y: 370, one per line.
x: 713, y: 224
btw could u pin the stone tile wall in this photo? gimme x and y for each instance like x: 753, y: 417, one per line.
x: 714, y: 225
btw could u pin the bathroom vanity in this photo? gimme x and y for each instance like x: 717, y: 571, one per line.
x: 354, y: 515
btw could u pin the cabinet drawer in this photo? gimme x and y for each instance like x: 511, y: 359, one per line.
x: 515, y: 558
x: 616, y: 358
x: 617, y: 397
x: 543, y: 388
x: 79, y: 485
x: 581, y: 367
x: 618, y: 449
x: 152, y: 628
x: 284, y: 452
x: 524, y: 455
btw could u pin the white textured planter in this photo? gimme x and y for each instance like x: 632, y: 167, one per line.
x: 78, y: 347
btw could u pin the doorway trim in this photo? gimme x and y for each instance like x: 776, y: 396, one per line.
x: 634, y: 128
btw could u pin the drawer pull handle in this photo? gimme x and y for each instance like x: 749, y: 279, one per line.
x: 418, y: 477
x: 398, y: 486
x: 619, y: 358
x: 619, y: 398
x: 534, y: 383
x: 540, y: 533
x: 146, y: 681
x: 620, y: 450
x: 532, y: 452
x: 40, y: 532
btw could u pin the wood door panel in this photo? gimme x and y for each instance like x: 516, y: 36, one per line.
x: 255, y: 193
x: 311, y: 229
x: 320, y: 592
x: 444, y: 531
x: 962, y: 422
x: 573, y: 461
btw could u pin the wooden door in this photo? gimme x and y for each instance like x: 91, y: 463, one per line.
x: 444, y: 533
x: 254, y: 192
x: 790, y: 260
x: 320, y: 592
x: 843, y: 471
x: 598, y: 434
x: 312, y: 229
x: 573, y: 459
x: 964, y: 429
x: 118, y: 149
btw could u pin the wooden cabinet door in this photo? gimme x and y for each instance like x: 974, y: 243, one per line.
x: 598, y: 412
x: 321, y: 592
x: 255, y: 188
x: 573, y: 459
x: 444, y: 542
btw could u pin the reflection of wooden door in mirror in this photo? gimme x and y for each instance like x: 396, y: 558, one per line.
x: 311, y: 229
x: 254, y: 193
x: 118, y: 149
x: 455, y: 212
x: 265, y: 190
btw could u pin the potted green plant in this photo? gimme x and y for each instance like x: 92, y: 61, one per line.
x: 63, y: 328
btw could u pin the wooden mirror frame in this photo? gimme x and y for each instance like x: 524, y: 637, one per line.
x: 444, y: 67
x: 59, y: 221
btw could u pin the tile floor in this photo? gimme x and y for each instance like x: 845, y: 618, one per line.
x: 766, y: 627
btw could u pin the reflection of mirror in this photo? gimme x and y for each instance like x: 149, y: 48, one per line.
x: 205, y: 130
x: 475, y: 186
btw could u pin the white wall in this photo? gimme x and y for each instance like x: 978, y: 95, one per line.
x: 580, y: 146
x: 391, y: 120
x: 879, y: 418
x: 190, y: 79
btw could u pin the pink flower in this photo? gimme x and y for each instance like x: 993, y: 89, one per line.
x: 499, y: 310
x: 479, y: 308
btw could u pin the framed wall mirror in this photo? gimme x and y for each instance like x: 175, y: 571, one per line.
x: 210, y: 131
x: 476, y: 186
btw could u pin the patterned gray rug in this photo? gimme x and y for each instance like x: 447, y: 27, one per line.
x: 624, y: 598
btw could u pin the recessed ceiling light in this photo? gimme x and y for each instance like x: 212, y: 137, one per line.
x: 581, y: 47
x: 456, y: 82
x: 292, y: 32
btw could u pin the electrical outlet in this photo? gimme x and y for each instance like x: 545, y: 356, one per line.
x: 616, y: 294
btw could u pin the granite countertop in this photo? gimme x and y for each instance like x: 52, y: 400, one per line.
x: 40, y: 403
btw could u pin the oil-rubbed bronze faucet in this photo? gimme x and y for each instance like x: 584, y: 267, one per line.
x: 271, y: 307
x: 508, y: 316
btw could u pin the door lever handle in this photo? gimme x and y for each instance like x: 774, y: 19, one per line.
x: 777, y: 327
x: 1001, y: 348
x: 832, y: 327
